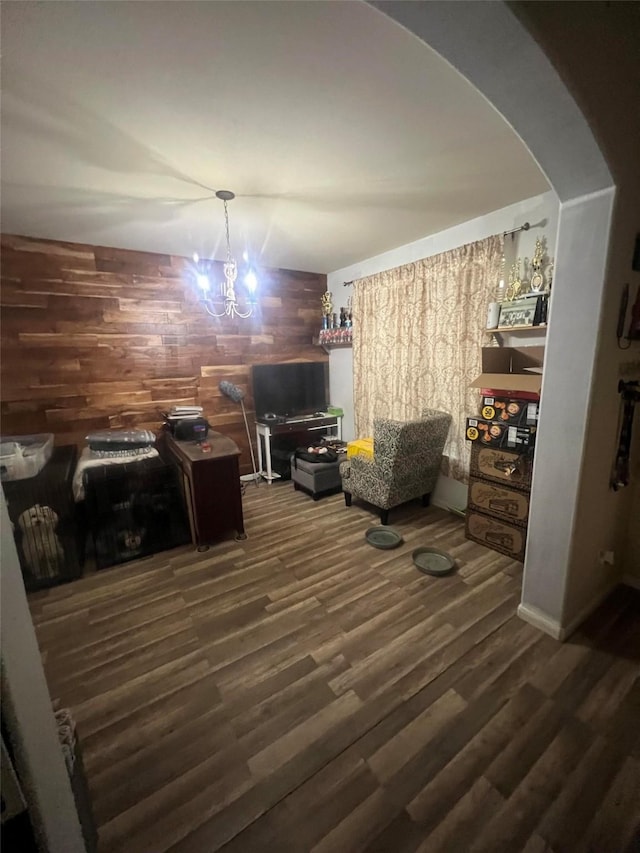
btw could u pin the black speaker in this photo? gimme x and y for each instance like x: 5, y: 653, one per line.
x: 190, y: 429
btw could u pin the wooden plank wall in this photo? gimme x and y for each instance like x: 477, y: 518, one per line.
x: 94, y: 337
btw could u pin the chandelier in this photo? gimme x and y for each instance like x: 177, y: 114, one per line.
x: 229, y: 300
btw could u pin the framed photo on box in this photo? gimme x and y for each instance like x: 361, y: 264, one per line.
x: 520, y: 312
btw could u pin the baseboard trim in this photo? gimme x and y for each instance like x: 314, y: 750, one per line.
x: 540, y: 620
x: 551, y: 626
x: 596, y: 601
x: 631, y: 580
x: 439, y: 504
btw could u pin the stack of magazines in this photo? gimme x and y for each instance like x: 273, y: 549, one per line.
x: 182, y: 413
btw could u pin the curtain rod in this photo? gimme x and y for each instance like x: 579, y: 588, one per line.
x: 524, y: 227
x: 513, y: 231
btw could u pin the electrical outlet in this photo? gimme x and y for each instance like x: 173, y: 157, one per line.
x: 606, y: 558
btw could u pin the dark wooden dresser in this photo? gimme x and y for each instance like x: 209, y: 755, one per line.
x: 212, y: 486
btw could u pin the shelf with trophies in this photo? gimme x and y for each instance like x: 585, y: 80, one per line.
x: 522, y: 304
x: 337, y: 329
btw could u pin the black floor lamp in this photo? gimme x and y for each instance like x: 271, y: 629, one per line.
x: 237, y: 395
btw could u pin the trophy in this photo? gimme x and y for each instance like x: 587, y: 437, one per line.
x: 537, y: 278
x: 327, y: 308
x: 515, y: 282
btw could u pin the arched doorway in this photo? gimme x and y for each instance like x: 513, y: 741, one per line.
x: 494, y: 51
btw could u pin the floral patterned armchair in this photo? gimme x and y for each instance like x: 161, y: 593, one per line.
x: 405, y: 464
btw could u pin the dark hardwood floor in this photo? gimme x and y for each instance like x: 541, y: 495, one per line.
x: 303, y: 691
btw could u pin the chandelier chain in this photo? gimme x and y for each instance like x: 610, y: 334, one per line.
x: 226, y: 224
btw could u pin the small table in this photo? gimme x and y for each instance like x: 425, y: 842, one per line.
x: 308, y: 425
x: 212, y: 486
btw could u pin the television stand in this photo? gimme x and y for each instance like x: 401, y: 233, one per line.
x: 311, y: 426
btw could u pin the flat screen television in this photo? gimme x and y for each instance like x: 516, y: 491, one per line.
x: 287, y: 390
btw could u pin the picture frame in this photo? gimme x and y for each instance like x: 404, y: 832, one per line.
x: 520, y: 312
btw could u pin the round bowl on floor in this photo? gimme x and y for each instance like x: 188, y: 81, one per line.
x: 383, y: 537
x: 432, y: 561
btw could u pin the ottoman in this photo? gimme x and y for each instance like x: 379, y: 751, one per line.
x: 316, y: 478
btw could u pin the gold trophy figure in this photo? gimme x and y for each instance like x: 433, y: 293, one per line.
x: 327, y: 308
x: 515, y: 282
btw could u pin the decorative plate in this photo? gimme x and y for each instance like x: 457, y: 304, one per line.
x: 432, y: 561
x: 383, y: 537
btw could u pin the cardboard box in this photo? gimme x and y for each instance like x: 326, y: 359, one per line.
x: 509, y: 410
x: 507, y: 467
x: 504, y: 435
x: 522, y: 395
x: 511, y: 369
x: 495, y: 534
x: 500, y: 502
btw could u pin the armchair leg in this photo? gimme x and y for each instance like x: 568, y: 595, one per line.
x: 384, y: 516
x: 426, y: 499
x: 347, y: 498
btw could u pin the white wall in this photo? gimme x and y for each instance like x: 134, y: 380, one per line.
x: 570, y: 359
x: 29, y: 715
x: 540, y: 211
x: 542, y: 214
x: 594, y: 47
x: 341, y: 387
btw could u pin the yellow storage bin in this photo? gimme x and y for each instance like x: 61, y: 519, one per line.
x: 360, y: 447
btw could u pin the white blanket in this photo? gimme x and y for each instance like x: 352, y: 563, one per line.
x: 88, y: 460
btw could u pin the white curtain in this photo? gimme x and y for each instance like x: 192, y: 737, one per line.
x: 418, y: 334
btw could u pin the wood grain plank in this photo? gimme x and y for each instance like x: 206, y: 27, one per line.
x: 509, y: 827
x: 93, y: 315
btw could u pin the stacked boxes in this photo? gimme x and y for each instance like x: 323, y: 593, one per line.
x: 503, y: 440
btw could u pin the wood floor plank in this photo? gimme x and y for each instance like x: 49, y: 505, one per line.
x: 617, y: 819
x: 326, y: 799
x: 248, y: 719
x: 508, y: 769
x: 167, y: 816
x: 283, y: 749
x: 123, y: 669
x: 459, y: 828
x: 402, y: 835
x: 509, y: 827
x: 142, y: 773
x: 361, y: 826
x: 609, y: 694
x: 105, y: 709
x: 587, y: 784
x: 414, y: 736
x: 148, y: 724
x: 434, y: 801
x: 296, y: 692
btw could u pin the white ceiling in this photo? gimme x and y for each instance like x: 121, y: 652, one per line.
x: 341, y: 134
